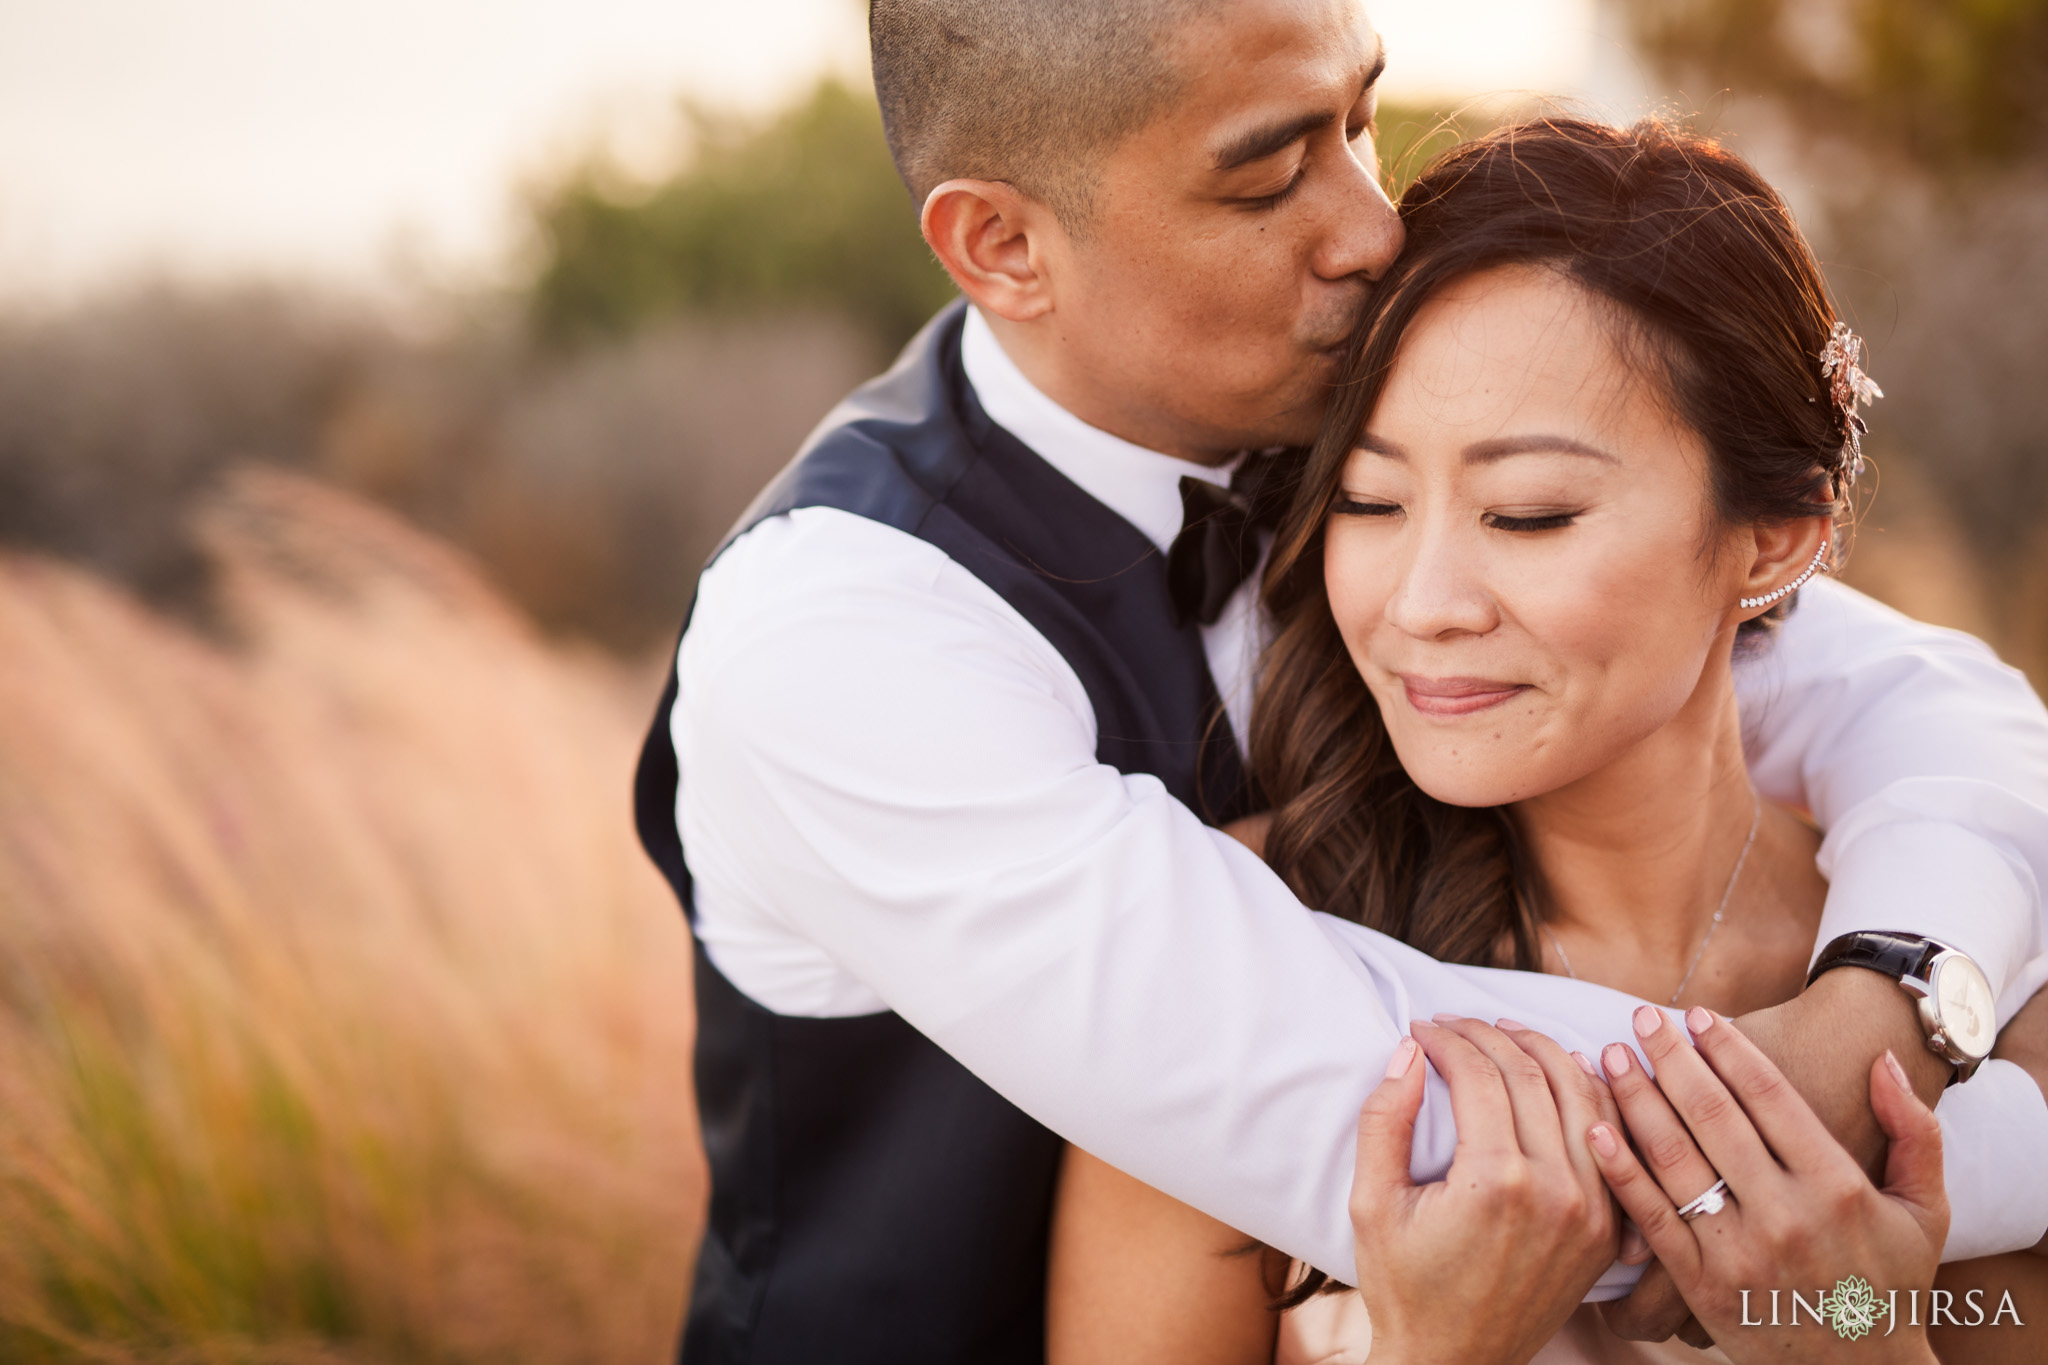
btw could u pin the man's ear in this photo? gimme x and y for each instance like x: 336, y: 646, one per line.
x: 1783, y: 551
x: 992, y: 238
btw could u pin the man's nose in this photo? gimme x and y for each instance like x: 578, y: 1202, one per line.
x: 1365, y: 233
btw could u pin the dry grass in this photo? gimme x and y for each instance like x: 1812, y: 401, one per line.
x: 340, y: 1019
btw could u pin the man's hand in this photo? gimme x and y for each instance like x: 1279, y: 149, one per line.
x: 1824, y: 1040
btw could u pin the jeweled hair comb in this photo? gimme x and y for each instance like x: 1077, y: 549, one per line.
x: 1841, y: 364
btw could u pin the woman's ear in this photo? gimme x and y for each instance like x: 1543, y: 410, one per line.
x: 1783, y: 552
x: 992, y: 239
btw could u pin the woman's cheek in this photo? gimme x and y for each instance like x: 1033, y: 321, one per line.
x: 1630, y: 662
x: 1352, y: 576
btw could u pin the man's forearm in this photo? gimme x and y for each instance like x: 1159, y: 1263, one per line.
x: 1825, y: 1039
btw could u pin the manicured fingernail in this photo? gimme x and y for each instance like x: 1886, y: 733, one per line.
x: 1586, y: 1065
x: 1617, y: 1059
x: 1898, y: 1072
x: 1648, y: 1019
x: 1444, y: 1017
x: 1511, y: 1024
x: 1602, y: 1138
x: 1403, y: 1058
x: 1698, y: 1020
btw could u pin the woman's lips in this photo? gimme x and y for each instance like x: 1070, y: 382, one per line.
x: 1457, y: 696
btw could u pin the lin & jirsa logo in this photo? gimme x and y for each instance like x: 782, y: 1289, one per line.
x: 1853, y: 1309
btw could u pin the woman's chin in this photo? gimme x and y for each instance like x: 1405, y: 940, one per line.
x: 1467, y: 788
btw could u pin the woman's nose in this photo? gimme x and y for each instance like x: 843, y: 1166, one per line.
x: 1441, y: 590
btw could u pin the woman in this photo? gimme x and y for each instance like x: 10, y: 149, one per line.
x: 1600, y: 427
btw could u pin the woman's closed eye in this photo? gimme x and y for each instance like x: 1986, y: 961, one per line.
x: 1530, y: 521
x: 1350, y: 505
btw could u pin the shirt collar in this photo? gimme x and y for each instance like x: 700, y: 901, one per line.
x: 1141, y: 486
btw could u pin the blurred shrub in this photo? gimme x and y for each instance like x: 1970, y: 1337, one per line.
x: 590, y: 484
x: 113, y: 417
x: 804, y: 213
x: 1918, y: 131
x: 1954, y: 85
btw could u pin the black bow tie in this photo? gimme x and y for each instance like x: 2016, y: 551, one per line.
x: 1218, y: 545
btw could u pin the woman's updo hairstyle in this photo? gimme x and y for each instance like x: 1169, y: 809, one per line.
x: 1710, y: 286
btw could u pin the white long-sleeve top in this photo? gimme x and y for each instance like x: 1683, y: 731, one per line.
x: 890, y: 800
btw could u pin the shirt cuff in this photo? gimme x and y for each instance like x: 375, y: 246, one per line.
x: 1940, y: 881
x: 1994, y: 1145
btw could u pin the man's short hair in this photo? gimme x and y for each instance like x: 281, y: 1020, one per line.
x: 1031, y: 92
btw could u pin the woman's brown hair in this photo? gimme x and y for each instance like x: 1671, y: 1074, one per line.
x: 1711, y: 287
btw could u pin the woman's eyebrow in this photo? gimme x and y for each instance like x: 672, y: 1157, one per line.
x: 1501, y: 447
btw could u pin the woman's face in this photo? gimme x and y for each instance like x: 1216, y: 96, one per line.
x: 1523, y: 558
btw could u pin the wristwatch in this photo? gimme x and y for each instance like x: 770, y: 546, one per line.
x: 1957, y: 1011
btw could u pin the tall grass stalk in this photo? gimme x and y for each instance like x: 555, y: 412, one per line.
x: 340, y: 1020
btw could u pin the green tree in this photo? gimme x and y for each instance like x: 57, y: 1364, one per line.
x: 1953, y: 85
x: 803, y: 213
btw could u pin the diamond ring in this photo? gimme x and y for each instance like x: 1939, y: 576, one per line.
x: 1713, y: 1200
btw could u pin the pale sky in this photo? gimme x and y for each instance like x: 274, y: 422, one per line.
x: 361, y: 141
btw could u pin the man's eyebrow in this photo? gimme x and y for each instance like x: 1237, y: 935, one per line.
x: 1500, y: 448
x: 1256, y: 144
x: 1378, y: 67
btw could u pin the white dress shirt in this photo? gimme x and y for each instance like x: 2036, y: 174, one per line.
x: 890, y: 800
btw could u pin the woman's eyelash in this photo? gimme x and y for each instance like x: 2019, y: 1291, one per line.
x: 1499, y: 521
x: 1549, y: 521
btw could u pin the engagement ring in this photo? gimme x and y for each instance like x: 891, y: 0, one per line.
x: 1712, y: 1201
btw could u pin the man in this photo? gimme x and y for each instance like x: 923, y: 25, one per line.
x: 952, y: 698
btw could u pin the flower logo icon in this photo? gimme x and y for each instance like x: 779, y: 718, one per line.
x: 1853, y: 1308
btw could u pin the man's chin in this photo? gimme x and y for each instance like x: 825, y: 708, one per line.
x: 1303, y: 418
x: 1300, y: 425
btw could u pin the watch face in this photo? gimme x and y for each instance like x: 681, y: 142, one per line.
x: 1962, y: 999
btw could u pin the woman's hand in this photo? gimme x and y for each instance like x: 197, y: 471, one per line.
x: 1485, y: 1265
x: 1802, y: 1215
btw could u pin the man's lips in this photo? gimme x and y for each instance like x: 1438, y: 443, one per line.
x: 1457, y: 696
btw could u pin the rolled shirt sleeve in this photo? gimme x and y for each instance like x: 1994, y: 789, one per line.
x: 1925, y: 760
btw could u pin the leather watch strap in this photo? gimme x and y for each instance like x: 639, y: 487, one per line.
x: 1896, y: 955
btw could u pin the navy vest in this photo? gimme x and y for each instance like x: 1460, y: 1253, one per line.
x: 871, y: 1200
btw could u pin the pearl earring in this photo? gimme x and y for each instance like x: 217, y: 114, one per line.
x: 1793, y: 586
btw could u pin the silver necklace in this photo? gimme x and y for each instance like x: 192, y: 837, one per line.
x: 1756, y: 812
